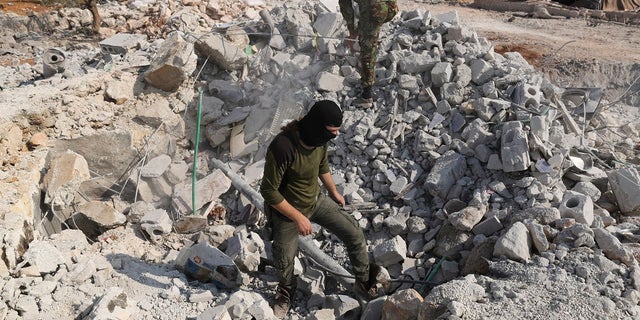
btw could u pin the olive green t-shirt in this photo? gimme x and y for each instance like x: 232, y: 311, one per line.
x: 291, y: 172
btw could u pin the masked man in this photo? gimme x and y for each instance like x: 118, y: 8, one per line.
x: 295, y: 159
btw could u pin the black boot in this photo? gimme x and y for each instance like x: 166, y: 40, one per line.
x: 367, y: 290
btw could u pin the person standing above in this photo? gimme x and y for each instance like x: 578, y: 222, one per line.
x: 373, y: 14
x: 295, y: 159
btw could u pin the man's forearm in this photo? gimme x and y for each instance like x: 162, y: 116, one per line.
x: 285, y: 208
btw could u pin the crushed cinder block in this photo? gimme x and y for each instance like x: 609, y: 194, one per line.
x: 444, y: 174
x: 156, y: 224
x: 577, y: 206
x: 122, y: 43
x: 246, y: 248
x: 311, y: 281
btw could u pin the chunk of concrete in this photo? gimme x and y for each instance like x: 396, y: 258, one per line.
x: 122, y: 43
x: 515, y: 244
x: 66, y: 172
x: 221, y: 51
x: 208, y: 188
x: 44, y: 256
x: 95, y: 217
x: 156, y: 224
x: 391, y: 251
x: 173, y: 64
x: 444, y: 174
x: 577, y: 206
x: 515, y: 147
x: 624, y: 183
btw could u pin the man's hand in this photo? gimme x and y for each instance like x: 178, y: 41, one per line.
x: 338, y: 198
x: 304, y: 226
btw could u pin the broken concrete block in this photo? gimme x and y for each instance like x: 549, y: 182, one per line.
x: 44, y: 256
x: 237, y: 145
x: 327, y: 24
x: 156, y: 224
x: 66, y: 172
x: 173, y: 64
x: 444, y: 174
x: 342, y: 305
x: 95, y: 217
x: 577, y: 206
x: 118, y: 91
x: 481, y: 71
x: 69, y: 239
x: 515, y: 147
x: 277, y: 41
x: 121, y: 43
x: 300, y: 26
x: 373, y: 309
x: 612, y: 247
x: 204, y: 296
x: 391, y: 251
x: 241, y: 305
x: 403, y: 304
x: 441, y: 73
x: 467, y: 218
x: 515, y: 244
x: 221, y: 51
x: 624, y: 183
x: 322, y: 314
x: 327, y: 81
x: 246, y: 248
x: 208, y: 188
x: 156, y: 166
x: 488, y: 227
x: 311, y: 281
x: 27, y: 306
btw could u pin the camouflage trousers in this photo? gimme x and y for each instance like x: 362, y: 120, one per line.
x: 373, y: 14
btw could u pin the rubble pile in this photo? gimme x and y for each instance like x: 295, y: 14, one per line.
x: 473, y: 176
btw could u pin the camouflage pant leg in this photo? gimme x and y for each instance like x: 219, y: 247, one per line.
x: 373, y: 14
x: 346, y: 8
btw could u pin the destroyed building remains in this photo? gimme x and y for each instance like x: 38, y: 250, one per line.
x: 472, y: 170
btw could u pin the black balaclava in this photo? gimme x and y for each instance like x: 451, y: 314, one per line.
x: 312, y: 126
